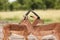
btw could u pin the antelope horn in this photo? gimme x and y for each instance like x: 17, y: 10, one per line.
x: 36, y: 15
x: 27, y: 14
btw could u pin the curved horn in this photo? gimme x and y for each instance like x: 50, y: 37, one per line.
x: 27, y: 14
x: 36, y: 15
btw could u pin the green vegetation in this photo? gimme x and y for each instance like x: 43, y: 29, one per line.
x: 47, y: 20
x: 4, y: 5
x: 27, y: 4
x: 12, y: 19
x: 15, y: 19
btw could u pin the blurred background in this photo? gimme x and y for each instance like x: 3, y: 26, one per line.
x: 11, y: 5
x: 14, y: 10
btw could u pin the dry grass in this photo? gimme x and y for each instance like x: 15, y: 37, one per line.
x: 50, y: 15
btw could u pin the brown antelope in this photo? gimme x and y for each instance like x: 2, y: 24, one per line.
x: 43, y: 30
x: 23, y: 29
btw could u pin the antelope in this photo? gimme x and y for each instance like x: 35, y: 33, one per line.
x: 22, y: 28
x: 43, y: 30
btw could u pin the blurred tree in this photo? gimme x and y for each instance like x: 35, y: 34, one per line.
x: 16, y: 5
x: 21, y: 1
x: 49, y: 3
x: 3, y: 4
x: 38, y: 4
x: 11, y: 7
x: 57, y: 4
x: 29, y: 4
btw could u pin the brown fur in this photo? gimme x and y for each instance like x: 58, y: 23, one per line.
x: 20, y: 29
x: 42, y: 30
x: 37, y: 21
x: 37, y: 30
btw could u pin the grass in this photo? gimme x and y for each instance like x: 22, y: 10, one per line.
x: 12, y: 19
x: 46, y: 15
x: 47, y: 20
